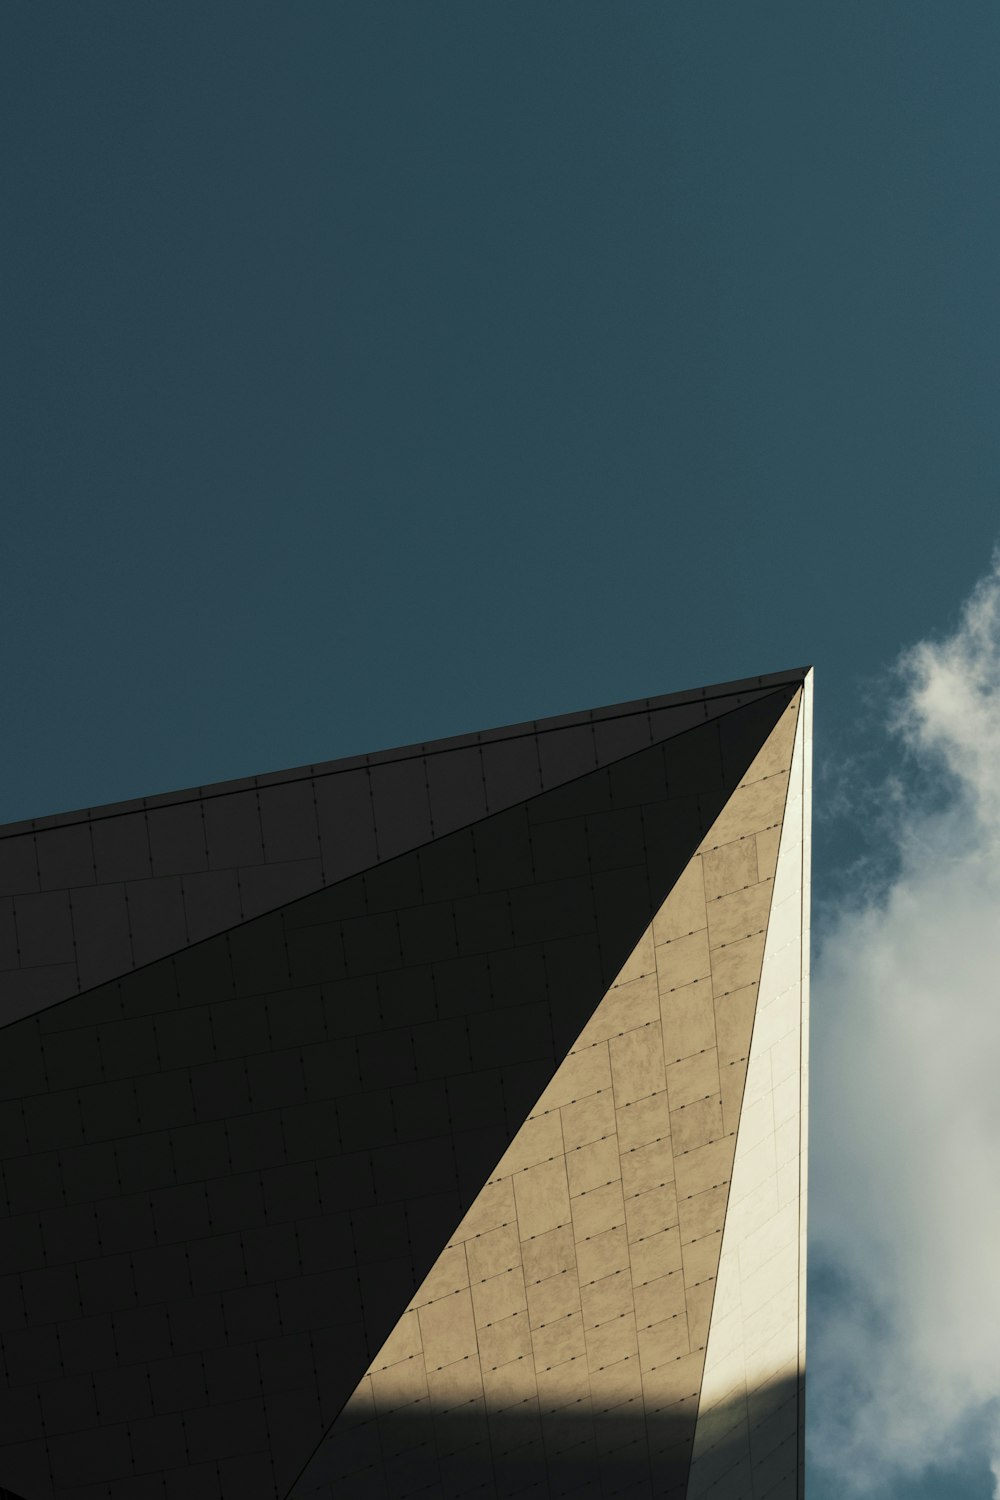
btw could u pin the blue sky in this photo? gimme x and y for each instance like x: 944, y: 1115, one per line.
x: 379, y: 371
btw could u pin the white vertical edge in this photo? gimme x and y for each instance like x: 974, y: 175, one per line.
x: 807, y: 771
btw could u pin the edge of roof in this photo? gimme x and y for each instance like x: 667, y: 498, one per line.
x: 408, y: 752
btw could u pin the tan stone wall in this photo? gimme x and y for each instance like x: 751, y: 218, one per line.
x: 748, y: 1438
x: 584, y: 1275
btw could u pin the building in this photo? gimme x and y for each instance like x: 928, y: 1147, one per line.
x: 429, y: 1123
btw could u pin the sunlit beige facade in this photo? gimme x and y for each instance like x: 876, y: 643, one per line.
x: 638, y: 1253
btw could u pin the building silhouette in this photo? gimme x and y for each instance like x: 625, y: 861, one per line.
x: 426, y: 1123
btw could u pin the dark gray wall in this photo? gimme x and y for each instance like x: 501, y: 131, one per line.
x: 227, y: 1172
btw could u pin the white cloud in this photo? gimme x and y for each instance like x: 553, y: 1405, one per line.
x: 905, y: 1135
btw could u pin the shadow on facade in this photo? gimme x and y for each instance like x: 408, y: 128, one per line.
x: 522, y: 1452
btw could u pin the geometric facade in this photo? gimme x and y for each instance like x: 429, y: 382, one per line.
x: 428, y: 1123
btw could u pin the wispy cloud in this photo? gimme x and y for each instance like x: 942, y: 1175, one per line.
x: 905, y: 1139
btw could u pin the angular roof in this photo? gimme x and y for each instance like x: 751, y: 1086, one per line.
x: 95, y: 893
x: 264, y: 1043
